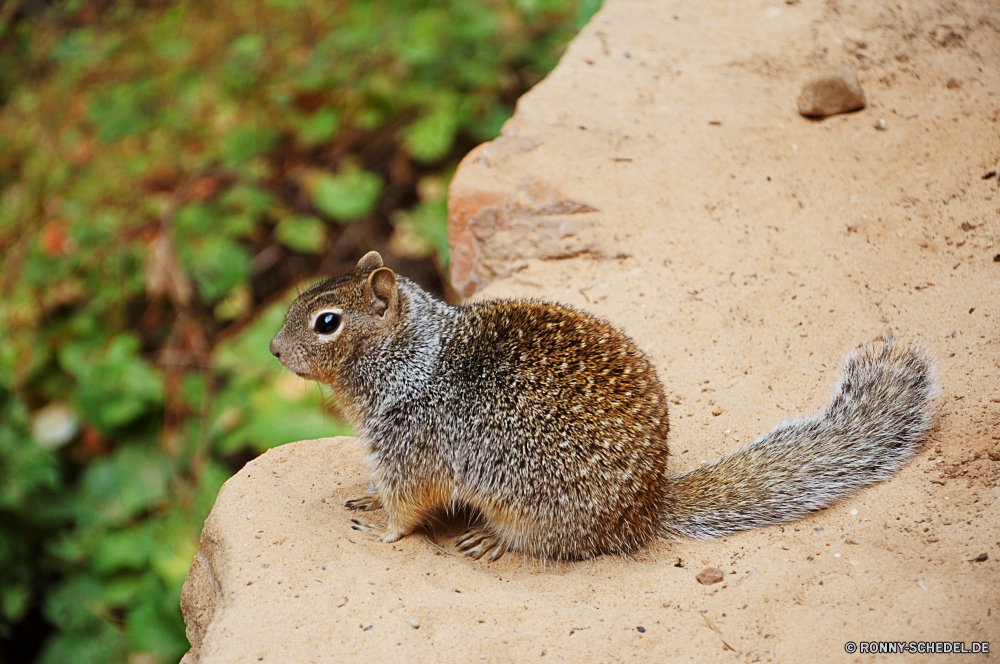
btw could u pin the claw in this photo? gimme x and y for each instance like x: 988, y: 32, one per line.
x: 470, y: 539
x: 366, y: 527
x: 477, y: 541
x: 383, y: 533
x: 496, y: 554
x: 365, y: 503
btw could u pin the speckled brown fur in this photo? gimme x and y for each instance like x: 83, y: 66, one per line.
x: 552, y: 425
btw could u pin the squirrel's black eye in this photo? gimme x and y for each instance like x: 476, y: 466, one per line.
x: 327, y: 322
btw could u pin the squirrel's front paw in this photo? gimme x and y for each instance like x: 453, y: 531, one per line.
x: 365, y: 503
x: 383, y: 533
x: 478, y: 541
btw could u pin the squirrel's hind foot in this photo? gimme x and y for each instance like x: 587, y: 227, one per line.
x: 384, y: 534
x: 365, y: 503
x: 479, y: 541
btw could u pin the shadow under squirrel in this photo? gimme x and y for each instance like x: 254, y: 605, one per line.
x: 552, y: 425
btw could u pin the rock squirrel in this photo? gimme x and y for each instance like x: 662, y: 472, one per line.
x: 551, y: 425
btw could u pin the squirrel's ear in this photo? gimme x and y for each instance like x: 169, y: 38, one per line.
x: 381, y: 290
x: 370, y: 261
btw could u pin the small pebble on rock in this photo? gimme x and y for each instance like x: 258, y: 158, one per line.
x: 837, y: 91
x: 953, y: 83
x: 880, y: 124
x: 414, y: 623
x: 710, y: 575
x: 947, y: 35
x: 981, y: 558
x: 640, y: 629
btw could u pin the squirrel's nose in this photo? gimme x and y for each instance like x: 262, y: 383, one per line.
x: 274, y: 348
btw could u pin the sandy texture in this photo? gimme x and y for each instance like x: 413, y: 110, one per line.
x: 661, y: 177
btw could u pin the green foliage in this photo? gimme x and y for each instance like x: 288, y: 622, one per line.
x: 301, y: 233
x: 318, y: 128
x: 347, y: 196
x: 114, y: 386
x: 162, y: 167
x: 430, y: 137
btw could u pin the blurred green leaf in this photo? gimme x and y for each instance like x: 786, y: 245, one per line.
x: 585, y: 10
x: 319, y: 127
x: 129, y: 588
x: 123, y: 549
x: 213, y: 475
x: 246, y: 354
x: 134, y: 480
x: 217, y: 265
x: 194, y: 220
x: 430, y: 137
x: 121, y: 110
x: 244, y: 61
x: 347, y: 196
x: 430, y: 220
x: 425, y: 36
x: 76, y: 605
x: 113, y: 386
x: 153, y: 631
x: 243, y: 143
x: 98, y: 644
x: 14, y: 601
x: 301, y: 233
x: 24, y: 466
x: 248, y: 199
x: 274, y: 420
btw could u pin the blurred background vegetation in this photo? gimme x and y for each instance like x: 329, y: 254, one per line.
x: 169, y: 172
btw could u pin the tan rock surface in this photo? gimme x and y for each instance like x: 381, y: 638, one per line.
x: 661, y: 177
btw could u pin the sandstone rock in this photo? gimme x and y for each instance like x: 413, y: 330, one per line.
x: 837, y: 91
x: 281, y: 577
x: 495, y: 224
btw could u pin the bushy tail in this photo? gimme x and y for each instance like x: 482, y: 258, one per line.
x: 872, y: 426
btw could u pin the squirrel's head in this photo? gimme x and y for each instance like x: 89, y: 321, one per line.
x: 334, y: 322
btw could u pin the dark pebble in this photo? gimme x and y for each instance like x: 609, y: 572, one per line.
x: 710, y: 575
x: 837, y: 91
x: 640, y: 629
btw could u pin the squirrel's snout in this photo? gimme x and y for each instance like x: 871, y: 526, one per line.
x: 274, y: 347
